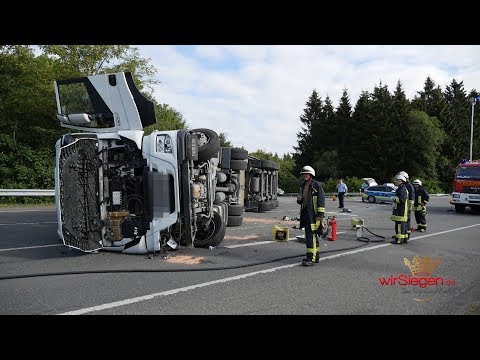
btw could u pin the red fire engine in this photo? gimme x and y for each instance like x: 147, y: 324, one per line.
x: 466, y: 186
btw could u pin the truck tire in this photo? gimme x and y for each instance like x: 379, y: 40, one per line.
x: 267, y: 164
x: 255, y: 163
x: 235, y: 220
x: 264, y: 206
x: 213, y: 235
x: 209, y: 143
x: 239, y: 154
x: 235, y: 210
x: 238, y: 165
x: 459, y: 208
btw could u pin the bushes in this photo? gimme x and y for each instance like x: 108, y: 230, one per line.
x: 353, y: 184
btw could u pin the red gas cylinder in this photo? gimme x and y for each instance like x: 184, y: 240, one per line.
x: 332, y: 228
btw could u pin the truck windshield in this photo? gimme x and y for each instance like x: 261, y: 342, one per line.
x: 464, y: 172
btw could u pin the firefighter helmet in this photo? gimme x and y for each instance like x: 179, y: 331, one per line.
x: 308, y: 170
x: 401, y: 177
x: 404, y: 174
x: 417, y: 182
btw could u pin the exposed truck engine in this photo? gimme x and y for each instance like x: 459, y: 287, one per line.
x: 121, y: 190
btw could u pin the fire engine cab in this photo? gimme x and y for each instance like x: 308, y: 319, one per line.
x: 466, y: 186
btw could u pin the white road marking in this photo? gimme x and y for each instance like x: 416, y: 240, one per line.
x: 265, y: 242
x: 20, y: 210
x: 35, y: 223
x: 31, y: 247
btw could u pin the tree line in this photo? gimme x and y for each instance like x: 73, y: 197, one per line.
x: 384, y: 133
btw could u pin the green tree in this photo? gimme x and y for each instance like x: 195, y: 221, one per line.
x: 358, y: 158
x: 381, y: 153
x: 403, y: 147
x: 223, y: 140
x: 310, y: 119
x: 347, y: 132
x: 167, y: 119
x: 28, y: 131
x: 458, y: 124
x: 424, y: 100
x: 327, y: 138
x: 86, y: 60
x: 426, y: 137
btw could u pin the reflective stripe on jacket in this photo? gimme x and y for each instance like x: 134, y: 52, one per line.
x: 411, y: 193
x: 400, y: 210
x: 421, y: 197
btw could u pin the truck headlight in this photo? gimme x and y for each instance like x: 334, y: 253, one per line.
x: 456, y: 196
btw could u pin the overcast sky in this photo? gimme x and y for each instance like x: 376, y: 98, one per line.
x: 255, y: 94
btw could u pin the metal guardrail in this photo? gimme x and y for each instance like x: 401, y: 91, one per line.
x: 26, y: 192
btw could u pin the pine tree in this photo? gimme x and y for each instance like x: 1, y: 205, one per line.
x: 402, y: 147
x: 358, y: 157
x: 381, y: 149
x: 347, y: 133
x: 304, y: 152
x: 458, y: 125
x: 423, y: 101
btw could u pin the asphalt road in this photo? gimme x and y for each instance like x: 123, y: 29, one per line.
x: 248, y: 273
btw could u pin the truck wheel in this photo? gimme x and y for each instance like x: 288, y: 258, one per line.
x: 212, y: 235
x: 238, y: 165
x: 208, y: 143
x: 268, y: 164
x: 460, y: 208
x: 239, y: 154
x: 235, y: 210
x: 264, y: 206
x: 235, y: 220
x: 255, y: 163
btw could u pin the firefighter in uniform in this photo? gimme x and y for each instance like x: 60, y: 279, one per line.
x: 312, y: 213
x: 411, y: 199
x: 420, y: 205
x: 400, y: 210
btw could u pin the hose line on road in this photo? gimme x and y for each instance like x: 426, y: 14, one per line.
x: 364, y: 239
x: 360, y: 236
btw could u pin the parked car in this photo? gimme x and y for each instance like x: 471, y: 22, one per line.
x: 379, y: 193
x: 280, y: 191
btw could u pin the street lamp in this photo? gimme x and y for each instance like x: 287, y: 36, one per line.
x: 472, y: 102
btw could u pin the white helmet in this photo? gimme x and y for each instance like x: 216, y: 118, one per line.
x: 404, y: 174
x: 417, y: 182
x: 308, y: 170
x: 401, y: 177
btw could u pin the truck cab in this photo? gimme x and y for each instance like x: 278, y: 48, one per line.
x: 121, y: 190
x: 466, y: 186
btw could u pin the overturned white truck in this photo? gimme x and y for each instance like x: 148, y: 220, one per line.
x: 121, y: 190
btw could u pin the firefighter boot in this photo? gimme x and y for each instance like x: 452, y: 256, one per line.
x: 308, y: 261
